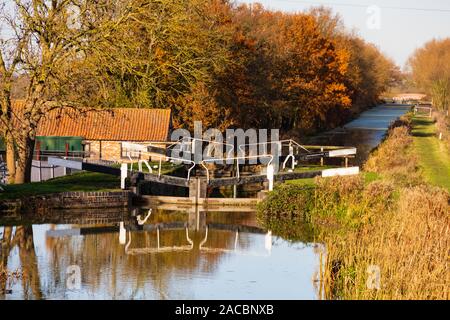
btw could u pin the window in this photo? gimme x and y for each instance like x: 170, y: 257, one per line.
x: 127, y: 154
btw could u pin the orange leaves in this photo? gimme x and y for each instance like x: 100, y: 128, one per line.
x: 293, y: 71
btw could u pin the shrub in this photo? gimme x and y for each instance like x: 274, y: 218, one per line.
x: 285, y: 212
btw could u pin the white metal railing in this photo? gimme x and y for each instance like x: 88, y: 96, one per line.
x: 158, y: 248
x: 235, y: 250
x: 290, y: 143
x: 161, y: 158
x: 140, y: 162
x: 279, y: 143
x: 417, y: 108
x: 186, y: 141
x: 203, y: 163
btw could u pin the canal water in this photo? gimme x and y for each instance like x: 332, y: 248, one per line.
x: 173, y: 255
x: 365, y: 133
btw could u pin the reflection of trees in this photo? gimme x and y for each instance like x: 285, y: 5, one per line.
x: 107, y: 272
x: 23, y: 239
x: 4, y: 254
x: 28, y: 261
x: 107, y: 269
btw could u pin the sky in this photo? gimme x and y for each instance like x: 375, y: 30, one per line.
x: 397, y: 27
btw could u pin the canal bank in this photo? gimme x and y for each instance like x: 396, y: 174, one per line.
x: 390, y: 228
x: 66, y: 200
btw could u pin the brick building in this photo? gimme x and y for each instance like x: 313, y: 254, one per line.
x: 101, y: 134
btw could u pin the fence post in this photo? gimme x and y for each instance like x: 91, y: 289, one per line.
x: 123, y: 175
x: 270, y: 175
x: 321, y: 159
x: 122, y: 234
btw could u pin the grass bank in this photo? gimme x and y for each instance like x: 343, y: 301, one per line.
x: 385, y: 239
x: 82, y: 181
x: 433, y: 154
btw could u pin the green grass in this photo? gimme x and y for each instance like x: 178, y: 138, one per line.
x: 83, y: 181
x: 368, y: 176
x: 433, y: 156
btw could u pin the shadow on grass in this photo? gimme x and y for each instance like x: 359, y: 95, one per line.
x: 423, y: 122
x: 423, y: 134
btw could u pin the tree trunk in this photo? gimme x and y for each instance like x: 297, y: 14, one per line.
x: 24, y: 162
x: 10, y: 159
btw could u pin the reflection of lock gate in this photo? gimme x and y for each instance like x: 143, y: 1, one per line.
x: 190, y: 246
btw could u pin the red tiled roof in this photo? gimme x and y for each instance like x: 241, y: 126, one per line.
x: 120, y: 124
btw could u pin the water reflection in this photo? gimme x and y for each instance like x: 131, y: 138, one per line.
x: 155, y: 254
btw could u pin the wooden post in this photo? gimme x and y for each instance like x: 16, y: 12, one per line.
x: 38, y: 150
x: 198, y: 189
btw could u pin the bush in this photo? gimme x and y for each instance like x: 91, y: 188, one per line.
x: 285, y: 212
x: 287, y: 201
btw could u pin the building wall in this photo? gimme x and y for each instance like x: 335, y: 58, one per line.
x: 112, y: 150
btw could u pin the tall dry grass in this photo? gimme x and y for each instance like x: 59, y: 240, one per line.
x: 409, y: 244
x: 403, y: 229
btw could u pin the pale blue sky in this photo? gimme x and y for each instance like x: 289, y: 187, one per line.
x: 404, y: 24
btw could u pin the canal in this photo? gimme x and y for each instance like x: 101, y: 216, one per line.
x: 365, y: 133
x: 183, y: 253
x: 174, y: 255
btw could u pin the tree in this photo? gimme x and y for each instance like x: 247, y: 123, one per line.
x: 431, y: 71
x: 370, y: 73
x: 172, y: 49
x: 52, y: 44
x: 285, y: 72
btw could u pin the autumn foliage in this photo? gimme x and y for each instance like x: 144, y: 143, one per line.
x: 224, y: 64
x: 430, y: 70
x: 245, y: 66
x: 294, y: 71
